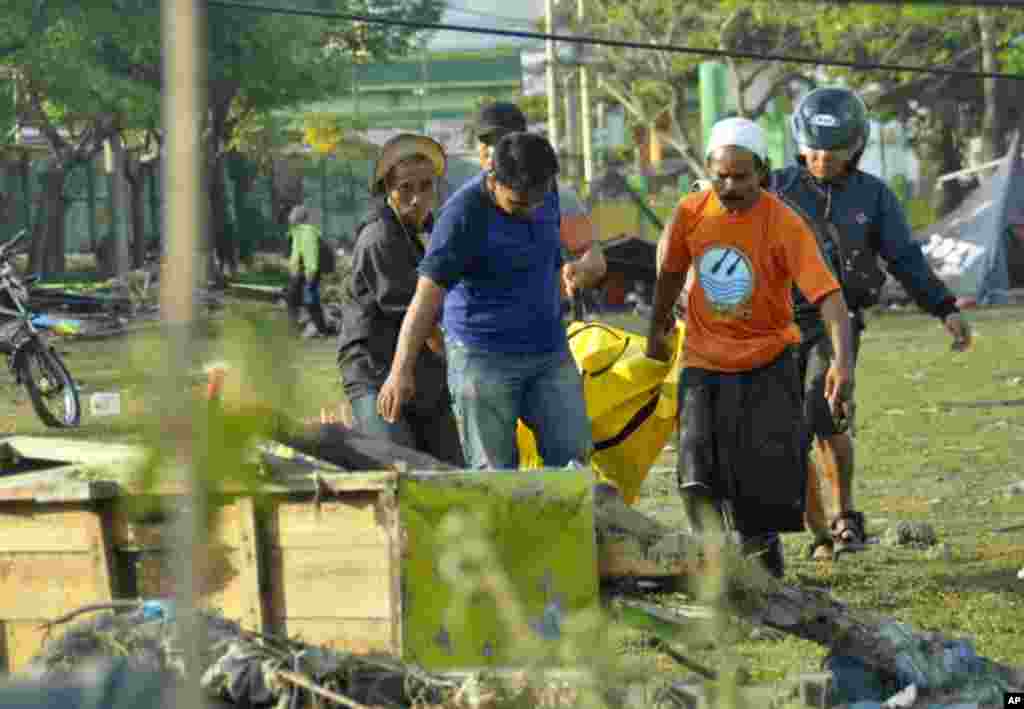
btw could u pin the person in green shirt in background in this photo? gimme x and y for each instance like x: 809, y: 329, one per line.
x: 305, y: 270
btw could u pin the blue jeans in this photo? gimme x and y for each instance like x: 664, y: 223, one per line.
x: 432, y: 432
x: 490, y: 391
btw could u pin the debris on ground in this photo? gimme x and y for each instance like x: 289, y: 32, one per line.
x: 241, y: 667
x: 917, y: 535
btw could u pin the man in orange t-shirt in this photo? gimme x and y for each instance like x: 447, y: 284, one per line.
x: 741, y: 442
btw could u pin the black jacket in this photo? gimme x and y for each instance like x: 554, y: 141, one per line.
x: 871, y: 225
x: 375, y: 300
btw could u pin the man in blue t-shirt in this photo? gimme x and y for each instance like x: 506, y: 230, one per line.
x: 494, y: 260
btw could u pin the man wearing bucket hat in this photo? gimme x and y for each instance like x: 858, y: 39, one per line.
x: 741, y: 462
x: 388, y: 250
x: 584, y: 259
x: 866, y: 224
x: 494, y: 261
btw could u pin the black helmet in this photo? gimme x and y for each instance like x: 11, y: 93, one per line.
x: 831, y: 119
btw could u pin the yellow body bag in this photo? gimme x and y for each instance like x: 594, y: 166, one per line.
x: 631, y: 401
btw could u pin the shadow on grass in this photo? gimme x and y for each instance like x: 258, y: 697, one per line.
x: 1003, y: 580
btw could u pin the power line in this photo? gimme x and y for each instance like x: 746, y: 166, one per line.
x: 620, y: 44
x: 1009, y: 4
x: 462, y: 10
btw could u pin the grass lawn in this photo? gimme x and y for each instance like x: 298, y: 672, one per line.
x: 917, y: 460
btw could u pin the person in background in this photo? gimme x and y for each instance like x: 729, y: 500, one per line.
x: 495, y: 261
x: 867, y: 225
x: 304, y: 271
x: 582, y: 251
x: 388, y: 250
x: 742, y: 463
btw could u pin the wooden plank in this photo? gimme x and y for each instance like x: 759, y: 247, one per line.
x: 55, y: 485
x: 25, y: 527
x: 103, y: 551
x: 389, y: 516
x: 352, y: 520
x: 251, y: 557
x: 221, y: 585
x: 72, y: 450
x: 341, y: 582
x: 300, y: 480
x: 355, y: 482
x: 352, y: 635
x: 48, y: 585
x: 132, y: 534
x: 22, y: 640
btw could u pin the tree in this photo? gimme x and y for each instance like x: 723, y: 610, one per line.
x: 258, y: 62
x: 71, y: 100
x: 650, y: 84
x: 942, y: 112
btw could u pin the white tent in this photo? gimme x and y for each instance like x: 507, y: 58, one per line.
x: 969, y: 247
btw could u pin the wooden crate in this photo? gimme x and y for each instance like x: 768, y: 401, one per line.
x: 326, y: 560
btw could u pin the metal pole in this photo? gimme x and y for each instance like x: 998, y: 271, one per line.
x: 549, y: 52
x: 184, y: 222
x: 587, y: 138
x: 572, y: 134
x: 424, y: 78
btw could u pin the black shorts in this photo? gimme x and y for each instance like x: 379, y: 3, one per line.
x: 742, y: 439
x: 815, y: 357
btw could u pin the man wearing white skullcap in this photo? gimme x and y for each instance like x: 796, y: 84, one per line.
x: 741, y: 466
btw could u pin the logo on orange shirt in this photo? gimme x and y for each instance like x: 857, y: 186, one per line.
x: 727, y: 278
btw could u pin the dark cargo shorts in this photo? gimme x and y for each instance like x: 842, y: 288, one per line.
x: 741, y: 437
x: 815, y: 356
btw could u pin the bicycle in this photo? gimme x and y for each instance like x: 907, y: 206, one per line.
x: 33, y: 363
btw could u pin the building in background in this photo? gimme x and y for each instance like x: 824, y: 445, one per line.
x: 436, y: 94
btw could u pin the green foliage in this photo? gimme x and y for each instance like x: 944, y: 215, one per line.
x: 8, y: 114
x: 920, y: 212
x: 1013, y: 59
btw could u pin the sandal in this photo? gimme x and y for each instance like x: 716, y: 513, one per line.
x: 820, y: 550
x: 848, y: 533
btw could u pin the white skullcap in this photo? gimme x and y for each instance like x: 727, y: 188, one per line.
x: 742, y: 133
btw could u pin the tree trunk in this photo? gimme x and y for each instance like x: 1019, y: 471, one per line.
x: 951, y: 192
x: 155, y: 217
x: 243, y: 181
x: 136, y: 214
x: 992, y: 125
x: 25, y: 177
x: 220, y: 226
x: 810, y: 614
x: 47, y: 252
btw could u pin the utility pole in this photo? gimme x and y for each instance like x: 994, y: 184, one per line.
x: 586, y: 136
x: 549, y: 51
x: 572, y: 133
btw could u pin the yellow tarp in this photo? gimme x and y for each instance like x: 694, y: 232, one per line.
x: 622, y: 387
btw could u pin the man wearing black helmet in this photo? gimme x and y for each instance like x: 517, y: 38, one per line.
x: 864, y: 221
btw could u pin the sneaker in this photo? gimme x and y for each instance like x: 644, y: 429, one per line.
x: 848, y: 533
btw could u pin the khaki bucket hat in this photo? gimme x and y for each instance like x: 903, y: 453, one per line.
x: 400, y: 147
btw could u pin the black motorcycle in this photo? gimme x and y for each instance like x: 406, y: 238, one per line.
x: 32, y: 361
